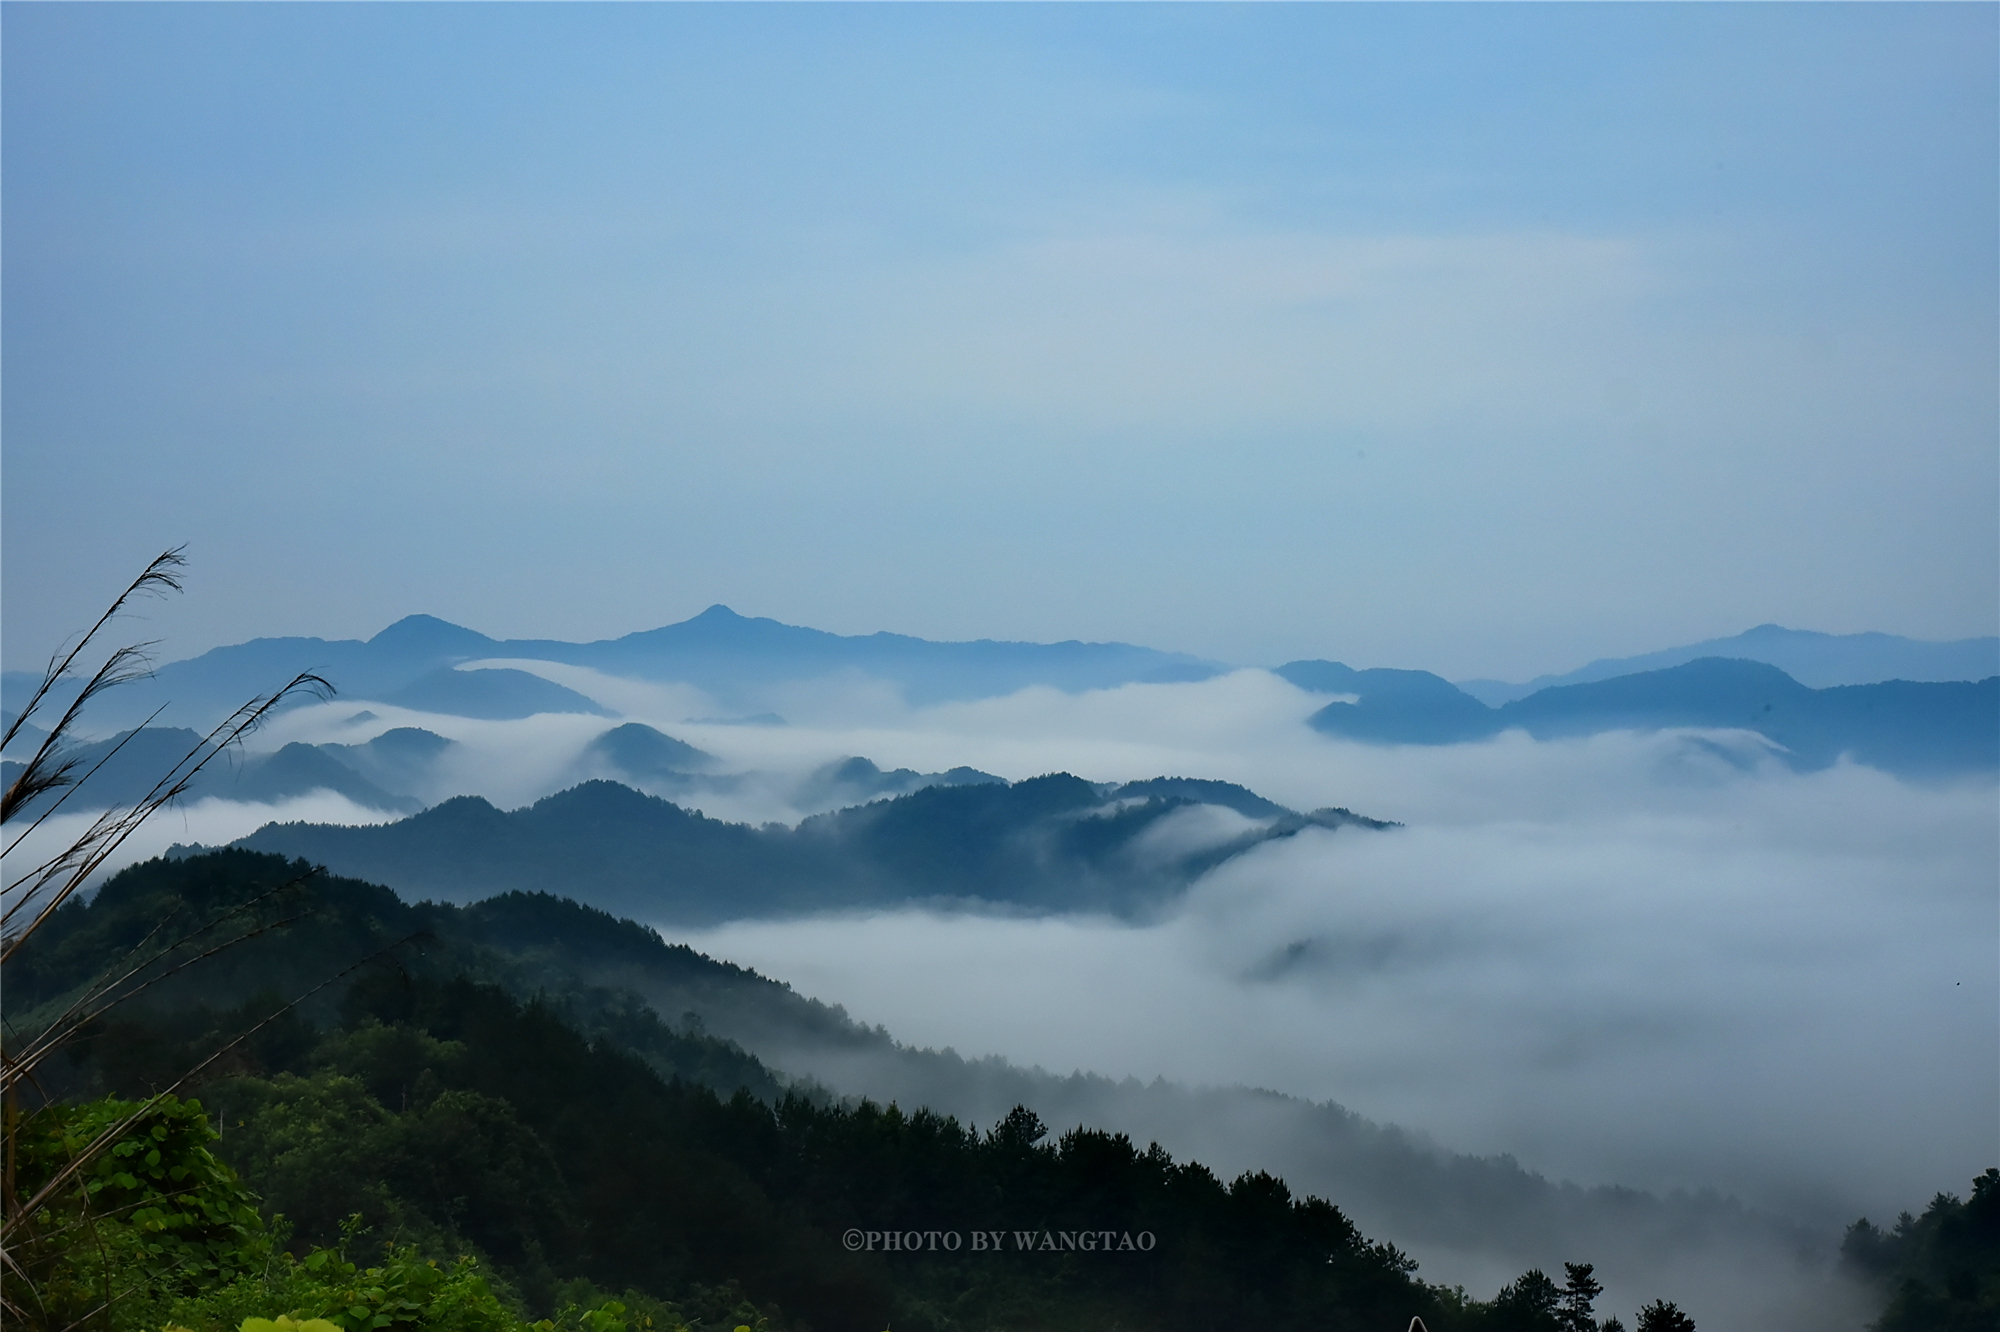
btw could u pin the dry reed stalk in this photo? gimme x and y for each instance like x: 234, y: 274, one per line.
x: 30, y: 899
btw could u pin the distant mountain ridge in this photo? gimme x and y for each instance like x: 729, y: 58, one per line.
x: 730, y: 656
x: 1816, y: 660
x: 1913, y: 728
x: 428, y: 664
x: 124, y: 768
x: 1052, y: 843
x: 405, y: 768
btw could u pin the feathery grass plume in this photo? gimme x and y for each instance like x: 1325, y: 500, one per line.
x: 30, y: 898
x: 47, y: 770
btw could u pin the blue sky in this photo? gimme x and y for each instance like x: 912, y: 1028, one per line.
x: 1484, y: 339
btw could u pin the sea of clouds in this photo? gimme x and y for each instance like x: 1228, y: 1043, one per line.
x: 1665, y: 961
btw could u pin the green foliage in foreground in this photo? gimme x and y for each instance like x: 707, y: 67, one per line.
x: 150, y: 1216
x: 1941, y: 1270
x: 159, y: 1233
x: 454, y: 1112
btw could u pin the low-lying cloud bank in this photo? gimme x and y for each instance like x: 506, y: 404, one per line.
x: 1657, y: 959
x: 209, y: 822
x: 1791, y: 996
x: 1630, y: 960
x: 1247, y: 727
x: 1663, y: 961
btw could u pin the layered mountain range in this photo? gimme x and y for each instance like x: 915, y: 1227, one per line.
x: 1889, y: 702
x: 1052, y: 843
x: 415, y: 662
x: 425, y: 664
x: 406, y: 768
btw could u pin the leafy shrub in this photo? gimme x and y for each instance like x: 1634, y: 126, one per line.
x: 155, y: 1232
x: 406, y: 1292
x: 149, y: 1213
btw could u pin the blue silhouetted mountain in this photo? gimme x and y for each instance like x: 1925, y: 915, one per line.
x: 296, y: 770
x: 732, y: 657
x: 1914, y: 728
x: 26, y: 739
x: 401, y: 760
x: 1054, y: 843
x: 202, y: 690
x: 722, y: 651
x: 491, y: 694
x: 426, y: 638
x: 126, y: 768
x: 1818, y: 661
x: 1911, y: 727
x: 638, y: 755
x: 1391, y: 706
x: 642, y: 751
x: 851, y: 781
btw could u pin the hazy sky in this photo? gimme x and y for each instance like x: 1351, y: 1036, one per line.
x: 1482, y: 339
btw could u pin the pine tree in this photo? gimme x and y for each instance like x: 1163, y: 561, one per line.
x: 1664, y: 1316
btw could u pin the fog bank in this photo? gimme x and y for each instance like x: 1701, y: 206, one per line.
x: 1663, y: 961
x: 1615, y: 963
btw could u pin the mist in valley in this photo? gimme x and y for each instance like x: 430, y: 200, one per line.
x: 1660, y: 961
x: 1664, y: 963
x: 1068, y: 370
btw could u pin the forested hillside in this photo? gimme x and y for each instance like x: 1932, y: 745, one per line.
x: 454, y: 1089
x: 1940, y: 1271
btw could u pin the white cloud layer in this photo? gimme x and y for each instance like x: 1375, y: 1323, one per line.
x: 1661, y: 960
x: 207, y: 822
x: 1665, y: 961
x: 1791, y: 997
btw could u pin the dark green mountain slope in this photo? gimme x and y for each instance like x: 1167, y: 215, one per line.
x: 1052, y: 843
x: 309, y: 925
x: 1940, y: 1271
x: 443, y: 1107
x: 1386, y: 1180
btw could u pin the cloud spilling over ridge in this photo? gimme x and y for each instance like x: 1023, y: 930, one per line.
x: 1245, y: 725
x: 1656, y: 959
x: 1659, y: 960
x: 1774, y: 984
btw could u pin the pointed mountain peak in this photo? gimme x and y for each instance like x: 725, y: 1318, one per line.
x: 427, y: 634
